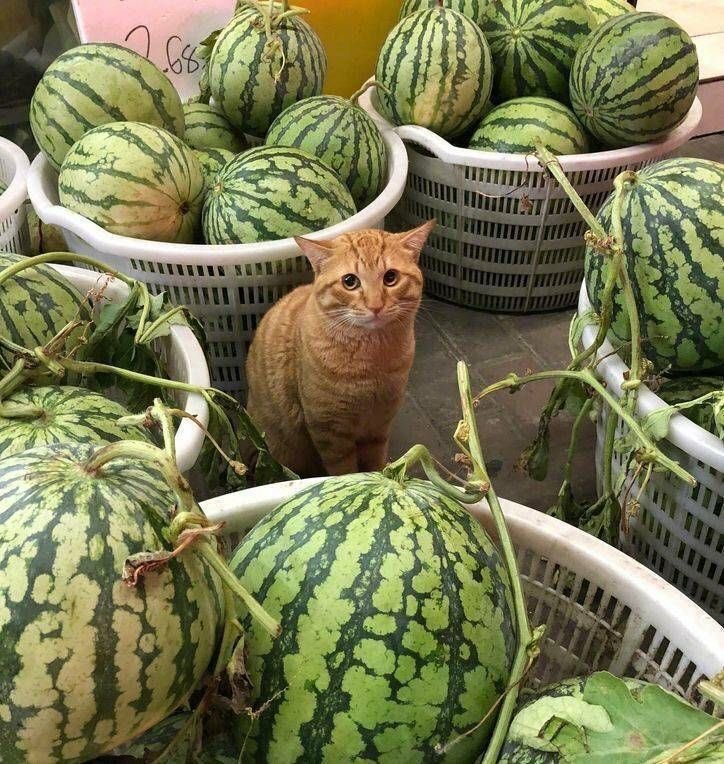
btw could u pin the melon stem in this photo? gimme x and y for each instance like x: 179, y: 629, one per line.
x: 354, y: 98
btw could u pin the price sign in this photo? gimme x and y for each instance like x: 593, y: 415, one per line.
x: 164, y: 31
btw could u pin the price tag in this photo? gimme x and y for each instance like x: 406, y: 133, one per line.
x: 164, y: 31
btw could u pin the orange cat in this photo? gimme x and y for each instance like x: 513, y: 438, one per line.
x: 328, y: 367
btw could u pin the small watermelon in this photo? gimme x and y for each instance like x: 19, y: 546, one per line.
x: 634, y: 79
x: 91, y: 85
x: 134, y: 180
x: 533, y: 43
x: 513, y: 126
x: 63, y: 415
x: 342, y: 135
x: 271, y: 193
x: 673, y: 236
x: 397, y: 628
x: 684, y: 389
x: 208, y: 128
x: 35, y: 305
x: 603, y: 10
x: 212, y: 161
x: 435, y: 70
x: 473, y: 9
x: 253, y: 78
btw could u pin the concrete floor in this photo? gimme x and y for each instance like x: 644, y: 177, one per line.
x: 493, y: 346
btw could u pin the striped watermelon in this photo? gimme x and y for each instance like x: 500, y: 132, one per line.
x: 342, y: 135
x: 134, y: 180
x: 94, y: 84
x: 254, y: 78
x: 684, y: 389
x: 64, y: 415
x: 634, y: 79
x: 603, y: 10
x: 87, y: 662
x: 35, y: 305
x: 208, y: 128
x: 435, y: 71
x: 532, y: 43
x: 673, y: 235
x: 272, y: 192
x: 513, y: 126
x: 212, y: 161
x: 397, y: 629
x: 473, y: 9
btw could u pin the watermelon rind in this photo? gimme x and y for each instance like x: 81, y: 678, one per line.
x: 208, y: 128
x: 273, y: 192
x: 634, y: 79
x: 686, y: 388
x: 397, y: 629
x: 513, y: 127
x: 212, y: 162
x: 134, y: 180
x: 473, y: 9
x: 97, y: 83
x: 603, y: 10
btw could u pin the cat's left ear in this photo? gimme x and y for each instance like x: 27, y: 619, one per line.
x: 415, y: 239
x: 315, y: 251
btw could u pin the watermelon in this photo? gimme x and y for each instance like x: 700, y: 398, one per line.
x: 254, y: 78
x: 35, y: 305
x: 684, y: 389
x: 435, y: 71
x: 208, y: 128
x: 634, y: 79
x: 272, y: 192
x: 342, y: 135
x: 513, y: 126
x: 212, y: 161
x: 603, y: 10
x: 87, y: 662
x: 532, y: 43
x: 673, y: 236
x: 134, y: 180
x: 94, y: 84
x: 397, y: 628
x: 473, y: 9
x: 64, y: 415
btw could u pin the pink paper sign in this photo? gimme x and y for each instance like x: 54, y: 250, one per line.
x: 164, y: 31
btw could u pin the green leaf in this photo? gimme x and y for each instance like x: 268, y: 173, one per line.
x: 603, y: 519
x: 534, y: 460
x: 566, y: 507
x: 718, y: 407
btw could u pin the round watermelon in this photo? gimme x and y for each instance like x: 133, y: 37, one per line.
x: 685, y: 389
x: 253, y: 78
x: 94, y: 84
x: 208, y: 128
x: 673, y: 237
x: 42, y: 416
x: 342, y: 135
x: 134, y: 180
x: 86, y: 661
x: 397, y: 628
x: 634, y: 79
x: 513, y: 127
x: 212, y: 161
x: 532, y: 43
x: 473, y: 9
x: 603, y: 10
x: 435, y: 70
x: 271, y: 192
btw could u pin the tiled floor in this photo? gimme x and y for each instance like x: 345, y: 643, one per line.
x: 494, y: 345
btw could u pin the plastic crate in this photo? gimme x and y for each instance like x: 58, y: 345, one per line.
x: 14, y: 234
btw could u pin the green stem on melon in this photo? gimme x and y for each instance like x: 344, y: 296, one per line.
x: 609, y: 440
x: 359, y: 93
x: 13, y: 379
x: 15, y: 411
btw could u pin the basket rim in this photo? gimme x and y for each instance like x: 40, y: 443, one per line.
x: 683, y: 433
x: 42, y: 177
x: 595, y: 160
x: 661, y: 604
x: 17, y: 191
x: 189, y: 436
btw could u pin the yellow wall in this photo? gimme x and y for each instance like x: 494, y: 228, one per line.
x: 14, y: 17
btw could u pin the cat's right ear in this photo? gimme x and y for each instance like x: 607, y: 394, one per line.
x: 315, y: 251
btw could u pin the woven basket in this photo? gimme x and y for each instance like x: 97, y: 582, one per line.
x: 14, y: 235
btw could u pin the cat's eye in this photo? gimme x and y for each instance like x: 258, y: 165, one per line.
x: 390, y: 277
x: 350, y: 281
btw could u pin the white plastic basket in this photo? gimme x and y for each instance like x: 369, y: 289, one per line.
x: 602, y: 610
x: 184, y: 359
x: 508, y: 239
x: 679, y: 530
x: 229, y: 287
x: 14, y: 234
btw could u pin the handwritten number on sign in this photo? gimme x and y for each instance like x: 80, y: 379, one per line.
x: 140, y: 31
x: 142, y: 35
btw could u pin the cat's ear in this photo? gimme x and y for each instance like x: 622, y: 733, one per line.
x: 415, y: 239
x: 315, y: 251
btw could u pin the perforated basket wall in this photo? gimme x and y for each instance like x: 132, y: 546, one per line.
x: 14, y: 234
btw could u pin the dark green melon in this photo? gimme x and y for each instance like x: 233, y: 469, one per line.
x: 603, y: 10
x: 473, y: 9
x: 208, y: 128
x: 212, y: 162
x: 397, y: 628
x: 684, y: 389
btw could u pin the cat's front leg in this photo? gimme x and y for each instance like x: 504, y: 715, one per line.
x: 372, y: 453
x: 336, y: 449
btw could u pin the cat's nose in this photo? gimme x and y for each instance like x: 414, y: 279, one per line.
x: 376, y: 309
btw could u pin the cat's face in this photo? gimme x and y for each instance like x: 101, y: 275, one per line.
x: 368, y: 279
